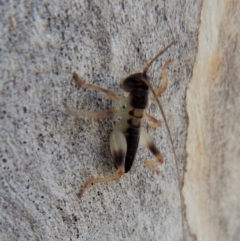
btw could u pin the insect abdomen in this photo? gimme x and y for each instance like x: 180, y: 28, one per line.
x: 132, y: 135
x: 138, y: 102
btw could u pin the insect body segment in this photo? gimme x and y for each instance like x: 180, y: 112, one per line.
x: 130, y: 125
x: 128, y: 133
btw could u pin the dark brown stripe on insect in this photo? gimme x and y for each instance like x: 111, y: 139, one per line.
x: 139, y: 99
x: 132, y: 136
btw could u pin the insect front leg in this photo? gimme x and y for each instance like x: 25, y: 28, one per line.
x: 146, y: 141
x: 118, y: 146
x: 80, y: 82
x: 94, y: 115
x: 161, y: 89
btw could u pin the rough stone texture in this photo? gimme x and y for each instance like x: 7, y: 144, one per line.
x: 46, y: 156
x: 212, y: 179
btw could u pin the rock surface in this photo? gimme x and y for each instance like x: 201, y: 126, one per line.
x: 46, y: 156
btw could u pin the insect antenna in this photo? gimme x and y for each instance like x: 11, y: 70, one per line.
x: 168, y: 130
x: 155, y: 57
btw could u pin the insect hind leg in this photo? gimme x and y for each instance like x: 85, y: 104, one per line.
x: 146, y: 141
x: 91, y: 181
x: 118, y: 146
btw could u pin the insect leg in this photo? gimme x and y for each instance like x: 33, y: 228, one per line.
x: 146, y: 141
x: 161, y: 89
x: 153, y: 122
x: 93, y: 115
x: 80, y: 82
x: 118, y: 146
x: 100, y: 179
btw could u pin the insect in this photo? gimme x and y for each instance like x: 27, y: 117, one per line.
x: 128, y: 133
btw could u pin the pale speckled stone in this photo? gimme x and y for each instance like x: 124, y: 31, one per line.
x: 46, y: 157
